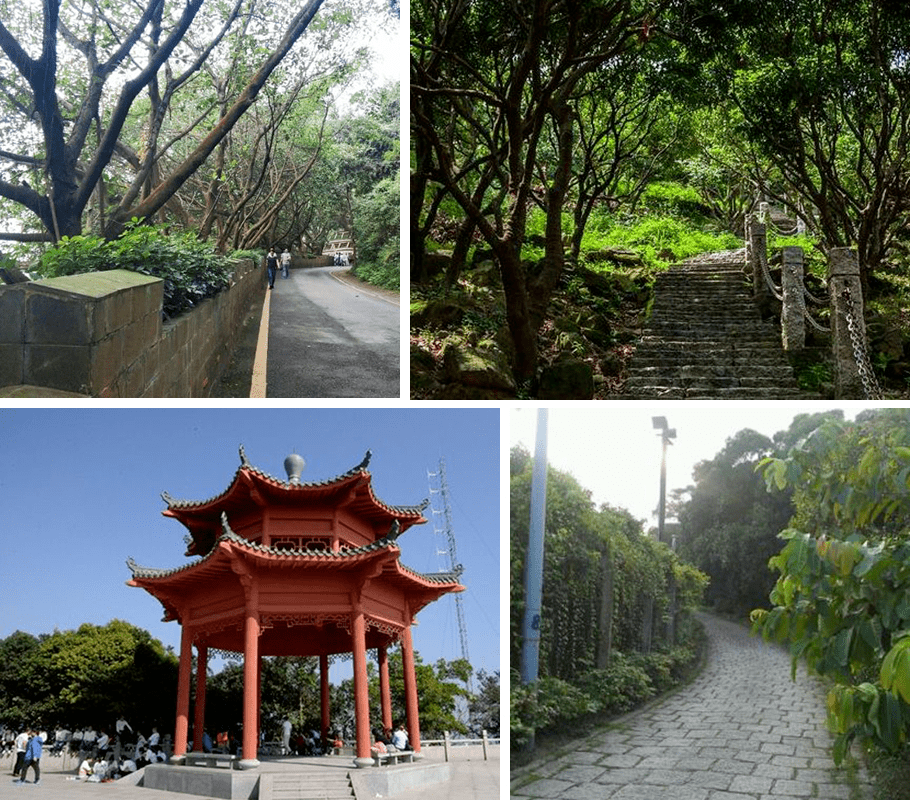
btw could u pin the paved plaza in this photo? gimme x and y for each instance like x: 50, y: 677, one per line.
x: 473, y: 778
x: 741, y: 731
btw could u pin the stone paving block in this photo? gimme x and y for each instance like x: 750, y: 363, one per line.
x: 712, y: 780
x: 620, y: 776
x: 580, y: 774
x: 620, y: 761
x: 590, y: 791
x: 774, y: 771
x: 790, y: 761
x: 831, y: 791
x: 668, y: 777
x: 730, y: 796
x: 734, y: 767
x: 584, y: 757
x: 794, y: 788
x: 657, y: 762
x: 751, y: 784
x: 661, y: 793
x: 545, y: 788
x: 778, y: 749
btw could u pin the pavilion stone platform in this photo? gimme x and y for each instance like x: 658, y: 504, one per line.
x: 321, y: 778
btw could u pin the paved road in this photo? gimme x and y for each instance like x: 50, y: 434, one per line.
x: 741, y: 731
x: 328, y: 338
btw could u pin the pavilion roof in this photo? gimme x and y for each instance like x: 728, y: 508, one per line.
x: 344, y: 557
x: 251, y: 484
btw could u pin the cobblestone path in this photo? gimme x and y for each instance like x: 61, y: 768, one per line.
x: 741, y: 731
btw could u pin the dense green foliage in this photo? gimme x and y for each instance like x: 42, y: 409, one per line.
x: 578, y: 540
x: 841, y: 601
x: 91, y: 675
x: 95, y: 674
x: 377, y: 232
x: 532, y: 153
x: 190, y: 270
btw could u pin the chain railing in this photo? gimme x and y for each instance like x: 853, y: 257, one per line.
x: 854, y: 371
x: 871, y: 387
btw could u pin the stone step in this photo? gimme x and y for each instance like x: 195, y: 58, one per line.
x: 705, y: 338
x: 309, y: 785
x: 662, y: 392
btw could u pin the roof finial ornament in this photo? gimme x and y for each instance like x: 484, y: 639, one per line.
x: 365, y: 463
x: 243, y: 458
x: 394, y: 531
x: 294, y: 465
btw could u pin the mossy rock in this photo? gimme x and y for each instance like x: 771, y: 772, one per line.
x: 483, y: 365
x: 436, y: 314
x: 566, y: 379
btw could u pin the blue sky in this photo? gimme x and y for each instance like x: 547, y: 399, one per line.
x: 81, y: 493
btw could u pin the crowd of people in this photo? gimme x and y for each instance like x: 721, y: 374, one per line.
x: 101, y: 755
x: 106, y: 756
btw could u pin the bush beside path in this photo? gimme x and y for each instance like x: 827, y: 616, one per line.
x: 743, y: 730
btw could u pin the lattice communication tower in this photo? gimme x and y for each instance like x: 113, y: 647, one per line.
x: 442, y: 525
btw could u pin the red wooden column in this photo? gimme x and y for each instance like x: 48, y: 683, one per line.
x: 410, y: 688
x: 183, y: 693
x: 251, y: 689
x: 202, y: 660
x: 324, y: 697
x: 361, y: 690
x: 385, y: 694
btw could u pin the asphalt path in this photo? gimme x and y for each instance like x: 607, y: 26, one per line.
x: 330, y: 338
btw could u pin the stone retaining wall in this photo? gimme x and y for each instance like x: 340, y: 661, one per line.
x: 101, y: 334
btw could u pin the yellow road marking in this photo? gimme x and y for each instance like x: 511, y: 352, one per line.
x: 257, y: 389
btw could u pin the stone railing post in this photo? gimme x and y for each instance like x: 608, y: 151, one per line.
x: 792, y: 317
x: 758, y: 256
x: 846, y: 294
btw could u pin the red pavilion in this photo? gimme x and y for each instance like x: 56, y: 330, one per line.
x: 294, y: 568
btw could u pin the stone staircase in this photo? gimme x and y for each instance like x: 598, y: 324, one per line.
x: 314, y: 784
x: 706, y: 339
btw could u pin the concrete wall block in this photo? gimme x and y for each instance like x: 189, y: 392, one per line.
x: 135, y: 342
x: 107, y: 362
x: 58, y: 318
x: 114, y: 312
x: 12, y: 314
x: 59, y: 366
x: 12, y: 360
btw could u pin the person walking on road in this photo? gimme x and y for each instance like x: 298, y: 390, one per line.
x: 271, y: 266
x: 32, y: 757
x: 285, y: 262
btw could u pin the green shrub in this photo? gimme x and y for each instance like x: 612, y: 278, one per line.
x: 190, y: 270
x: 662, y: 239
x: 546, y: 704
x: 619, y: 687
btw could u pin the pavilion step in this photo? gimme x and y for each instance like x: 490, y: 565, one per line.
x: 309, y: 785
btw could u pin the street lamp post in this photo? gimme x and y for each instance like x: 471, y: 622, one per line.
x: 667, y: 435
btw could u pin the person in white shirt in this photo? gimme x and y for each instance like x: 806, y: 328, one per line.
x: 400, y: 738
x: 21, y: 745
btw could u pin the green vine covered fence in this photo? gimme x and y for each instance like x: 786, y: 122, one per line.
x: 615, y: 624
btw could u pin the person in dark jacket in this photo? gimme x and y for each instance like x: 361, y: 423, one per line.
x: 271, y: 266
